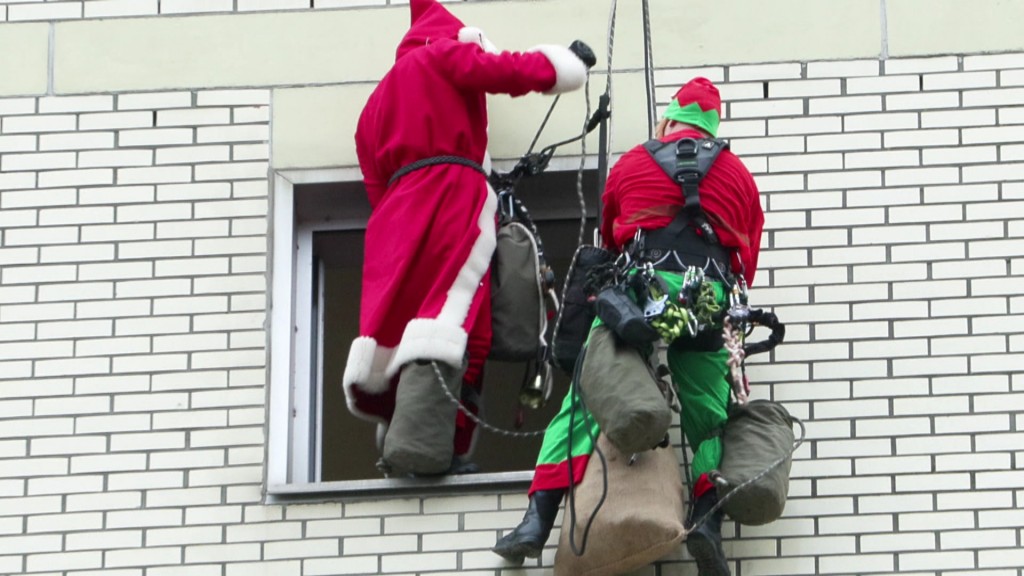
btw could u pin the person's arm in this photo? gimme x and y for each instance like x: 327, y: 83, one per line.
x: 374, y: 183
x: 550, y: 69
x: 610, y: 210
x: 755, y: 226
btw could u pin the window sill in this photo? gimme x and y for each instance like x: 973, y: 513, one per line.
x: 398, y: 487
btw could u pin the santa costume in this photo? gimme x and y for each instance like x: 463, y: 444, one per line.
x: 431, y: 233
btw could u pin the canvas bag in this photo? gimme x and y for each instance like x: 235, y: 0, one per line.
x: 619, y: 389
x: 518, y: 314
x: 577, y: 311
x: 640, y: 521
x: 419, y: 437
x: 756, y: 435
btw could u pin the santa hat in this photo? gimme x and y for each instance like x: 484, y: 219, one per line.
x: 428, y: 21
x: 430, y: 14
x: 697, y: 103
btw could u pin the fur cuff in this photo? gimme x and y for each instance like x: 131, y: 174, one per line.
x: 366, y: 366
x: 570, y: 71
x: 429, y: 339
x: 474, y: 35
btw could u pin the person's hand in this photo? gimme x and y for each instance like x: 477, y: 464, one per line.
x: 583, y: 52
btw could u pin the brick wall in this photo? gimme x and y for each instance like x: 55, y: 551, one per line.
x: 57, y: 10
x: 133, y: 259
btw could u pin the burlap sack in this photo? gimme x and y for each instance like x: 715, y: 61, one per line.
x: 517, y: 301
x: 756, y: 435
x: 622, y: 393
x: 640, y: 521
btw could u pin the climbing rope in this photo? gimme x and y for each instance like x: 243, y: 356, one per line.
x: 734, y: 344
x: 649, y: 71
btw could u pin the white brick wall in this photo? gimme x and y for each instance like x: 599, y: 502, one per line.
x: 133, y: 243
x: 37, y: 10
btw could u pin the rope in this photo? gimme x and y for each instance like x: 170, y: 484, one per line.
x: 480, y: 422
x: 434, y: 161
x: 649, y: 70
x: 545, y: 121
x: 734, y: 344
x: 608, y: 80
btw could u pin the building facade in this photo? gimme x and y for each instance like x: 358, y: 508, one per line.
x: 179, y: 194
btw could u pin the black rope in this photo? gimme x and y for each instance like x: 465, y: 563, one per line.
x: 433, y: 161
x: 649, y: 70
x: 578, y: 398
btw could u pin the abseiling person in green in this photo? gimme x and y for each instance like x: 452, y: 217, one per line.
x: 640, y: 201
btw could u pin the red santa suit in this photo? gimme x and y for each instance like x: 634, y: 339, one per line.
x: 431, y: 234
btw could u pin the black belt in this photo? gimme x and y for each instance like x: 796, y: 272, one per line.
x: 433, y: 161
x: 676, y: 251
x: 679, y: 261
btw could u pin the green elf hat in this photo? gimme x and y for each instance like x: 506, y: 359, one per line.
x: 697, y: 103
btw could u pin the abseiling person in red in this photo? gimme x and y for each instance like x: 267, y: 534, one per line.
x: 639, y: 195
x: 640, y: 202
x: 421, y: 143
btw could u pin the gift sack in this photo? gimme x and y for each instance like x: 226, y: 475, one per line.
x: 756, y: 435
x: 622, y: 393
x: 640, y: 521
x: 518, y: 314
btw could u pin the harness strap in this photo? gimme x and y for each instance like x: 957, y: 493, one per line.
x: 686, y: 162
x: 434, y: 161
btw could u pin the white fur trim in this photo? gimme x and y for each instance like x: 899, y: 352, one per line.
x: 429, y: 339
x: 474, y: 35
x: 486, y: 164
x: 443, y: 338
x: 366, y: 366
x: 460, y: 295
x: 570, y: 71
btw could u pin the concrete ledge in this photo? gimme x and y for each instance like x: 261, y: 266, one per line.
x: 315, y: 127
x: 25, y: 62
x: 317, y: 47
x: 932, y: 27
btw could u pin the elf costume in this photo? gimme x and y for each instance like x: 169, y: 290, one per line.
x: 431, y: 233
x: 640, y: 195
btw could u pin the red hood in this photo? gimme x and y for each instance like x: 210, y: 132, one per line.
x: 430, y: 21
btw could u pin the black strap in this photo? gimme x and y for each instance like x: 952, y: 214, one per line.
x: 686, y: 161
x: 433, y: 161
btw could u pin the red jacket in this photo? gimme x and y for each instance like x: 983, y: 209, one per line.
x: 640, y: 194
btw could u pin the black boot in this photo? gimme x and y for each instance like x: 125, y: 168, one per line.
x: 705, y: 543
x: 528, y: 539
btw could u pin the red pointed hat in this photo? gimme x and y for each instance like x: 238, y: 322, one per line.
x: 428, y: 21
x: 697, y: 103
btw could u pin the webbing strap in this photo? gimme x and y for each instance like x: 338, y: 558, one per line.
x: 433, y: 161
x: 686, y: 161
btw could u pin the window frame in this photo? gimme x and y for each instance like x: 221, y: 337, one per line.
x: 293, y: 438
x: 292, y: 432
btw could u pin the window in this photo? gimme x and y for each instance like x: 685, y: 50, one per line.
x: 314, y: 443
